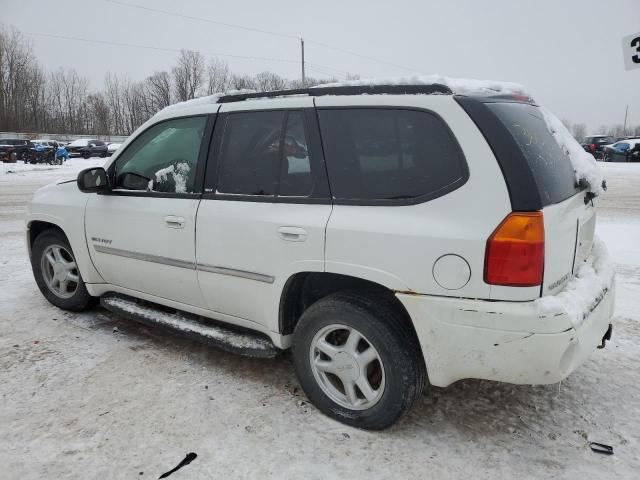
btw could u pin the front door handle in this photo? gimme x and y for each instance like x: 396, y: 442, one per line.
x: 174, y: 222
x: 292, y: 234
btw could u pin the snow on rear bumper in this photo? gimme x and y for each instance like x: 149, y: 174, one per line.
x: 514, y: 342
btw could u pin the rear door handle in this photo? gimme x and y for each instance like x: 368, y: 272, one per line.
x: 292, y: 234
x: 174, y: 222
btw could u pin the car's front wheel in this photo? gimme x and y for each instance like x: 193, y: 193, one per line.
x: 357, y: 359
x: 56, y: 272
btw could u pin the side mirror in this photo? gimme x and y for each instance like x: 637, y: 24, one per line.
x: 93, y: 180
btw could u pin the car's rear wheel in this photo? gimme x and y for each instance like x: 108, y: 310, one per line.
x: 357, y: 359
x: 56, y: 272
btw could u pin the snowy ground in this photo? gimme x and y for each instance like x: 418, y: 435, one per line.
x: 81, y: 399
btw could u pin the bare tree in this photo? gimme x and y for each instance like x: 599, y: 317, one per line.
x: 242, y: 82
x: 579, y: 131
x: 188, y: 75
x: 218, y: 76
x: 158, y: 87
x: 61, y: 101
x: 268, y: 81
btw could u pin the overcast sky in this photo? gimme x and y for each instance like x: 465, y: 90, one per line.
x: 567, y: 52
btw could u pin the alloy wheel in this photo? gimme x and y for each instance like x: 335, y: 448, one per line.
x: 59, y: 271
x: 347, y: 367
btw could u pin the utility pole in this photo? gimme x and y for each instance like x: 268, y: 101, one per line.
x: 304, y: 83
x: 624, y: 129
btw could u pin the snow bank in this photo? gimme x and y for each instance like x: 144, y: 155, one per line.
x: 70, y: 167
x: 584, y: 165
x: 462, y: 86
x: 584, y: 291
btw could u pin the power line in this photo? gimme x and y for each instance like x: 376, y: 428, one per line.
x: 267, y: 32
x: 349, y: 52
x: 324, y: 72
x: 200, y: 19
x: 151, y: 47
x: 326, y: 67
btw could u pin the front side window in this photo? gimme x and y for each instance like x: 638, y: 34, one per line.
x: 389, y: 154
x: 265, y: 154
x: 163, y: 158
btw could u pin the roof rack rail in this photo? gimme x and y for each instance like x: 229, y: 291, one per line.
x: 427, y: 89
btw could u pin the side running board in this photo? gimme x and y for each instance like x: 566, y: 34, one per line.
x: 250, y: 344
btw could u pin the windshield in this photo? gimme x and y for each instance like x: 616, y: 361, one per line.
x: 550, y: 165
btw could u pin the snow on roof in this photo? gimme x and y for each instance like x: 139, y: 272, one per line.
x: 199, y: 101
x: 462, y: 86
x: 81, y: 142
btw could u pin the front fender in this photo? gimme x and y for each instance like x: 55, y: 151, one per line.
x: 63, y: 205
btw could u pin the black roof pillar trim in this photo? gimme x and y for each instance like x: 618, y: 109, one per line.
x: 523, y: 190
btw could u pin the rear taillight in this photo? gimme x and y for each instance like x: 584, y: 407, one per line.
x: 515, y: 251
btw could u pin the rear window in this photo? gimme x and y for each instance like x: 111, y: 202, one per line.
x: 550, y: 165
x: 377, y: 154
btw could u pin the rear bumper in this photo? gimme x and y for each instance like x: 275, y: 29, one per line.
x: 504, y: 341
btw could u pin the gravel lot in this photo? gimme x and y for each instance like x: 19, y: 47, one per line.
x: 93, y: 396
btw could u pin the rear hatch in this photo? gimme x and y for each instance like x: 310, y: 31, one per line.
x: 569, y: 216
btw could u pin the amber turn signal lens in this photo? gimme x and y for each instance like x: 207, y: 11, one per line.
x: 515, y: 251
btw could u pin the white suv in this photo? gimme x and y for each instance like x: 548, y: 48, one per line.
x: 392, y: 239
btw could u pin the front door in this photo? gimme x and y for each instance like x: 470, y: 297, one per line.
x: 141, y: 236
x: 264, y: 211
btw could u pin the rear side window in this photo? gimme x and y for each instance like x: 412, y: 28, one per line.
x: 389, y: 154
x: 251, y: 146
x: 550, y: 165
x: 265, y: 153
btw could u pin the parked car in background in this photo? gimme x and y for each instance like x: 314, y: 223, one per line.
x: 41, y: 154
x: 13, y: 149
x: 112, y: 147
x: 87, y: 148
x: 74, y: 147
x: 621, y: 151
x: 47, y: 143
x: 594, y: 144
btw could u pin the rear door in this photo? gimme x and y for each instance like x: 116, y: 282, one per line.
x: 569, y: 220
x: 265, y: 208
x: 141, y: 236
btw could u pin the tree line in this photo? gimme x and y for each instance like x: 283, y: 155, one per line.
x: 579, y: 130
x: 61, y: 101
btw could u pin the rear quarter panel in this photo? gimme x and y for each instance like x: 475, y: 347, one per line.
x: 397, y: 246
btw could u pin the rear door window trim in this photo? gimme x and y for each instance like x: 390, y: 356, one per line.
x: 456, y: 184
x: 319, y: 194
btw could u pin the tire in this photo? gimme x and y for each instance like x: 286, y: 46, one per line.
x: 86, y: 156
x: 76, y: 299
x: 397, y: 376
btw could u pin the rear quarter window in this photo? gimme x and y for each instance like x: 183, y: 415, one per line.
x: 381, y: 155
x: 551, y: 168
